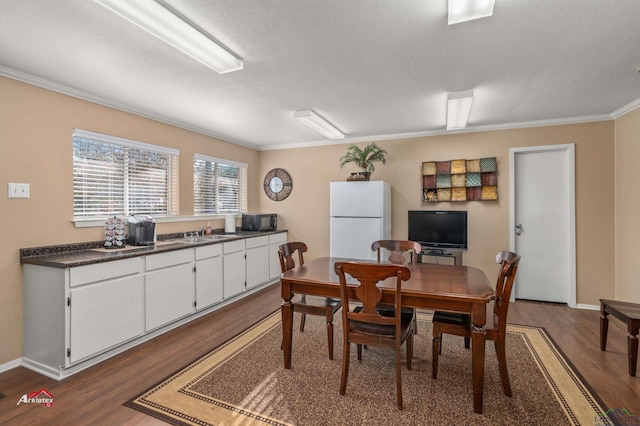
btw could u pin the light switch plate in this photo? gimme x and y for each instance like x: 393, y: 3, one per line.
x: 18, y: 190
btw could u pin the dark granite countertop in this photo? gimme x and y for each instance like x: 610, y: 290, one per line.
x: 80, y: 254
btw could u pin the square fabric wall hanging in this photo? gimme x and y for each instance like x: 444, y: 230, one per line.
x: 460, y: 180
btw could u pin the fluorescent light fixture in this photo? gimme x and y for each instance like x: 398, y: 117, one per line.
x: 468, y: 10
x: 164, y: 23
x: 458, y: 109
x: 317, y: 123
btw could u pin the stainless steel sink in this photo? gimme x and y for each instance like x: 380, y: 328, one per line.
x: 218, y: 237
x: 190, y: 240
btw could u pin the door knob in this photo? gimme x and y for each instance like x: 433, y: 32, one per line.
x: 519, y: 229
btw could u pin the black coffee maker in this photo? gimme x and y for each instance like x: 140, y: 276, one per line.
x: 142, y: 231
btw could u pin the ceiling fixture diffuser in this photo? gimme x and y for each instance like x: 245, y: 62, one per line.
x: 317, y: 123
x: 162, y: 22
x: 458, y: 109
x: 468, y: 10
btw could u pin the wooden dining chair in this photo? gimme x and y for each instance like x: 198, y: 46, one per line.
x: 364, y: 325
x: 302, y: 303
x: 397, y: 249
x: 496, y: 327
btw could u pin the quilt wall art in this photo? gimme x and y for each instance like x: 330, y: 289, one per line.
x: 460, y: 180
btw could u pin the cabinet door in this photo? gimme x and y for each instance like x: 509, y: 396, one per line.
x: 208, y: 282
x: 169, y: 294
x: 274, y: 261
x: 104, y: 315
x: 257, y: 266
x: 234, y: 274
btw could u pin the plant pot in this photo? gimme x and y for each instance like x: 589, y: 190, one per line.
x: 366, y: 175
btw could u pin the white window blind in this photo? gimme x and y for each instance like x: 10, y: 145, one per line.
x: 220, y: 186
x: 116, y: 176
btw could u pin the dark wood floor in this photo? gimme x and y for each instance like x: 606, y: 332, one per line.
x: 96, y: 395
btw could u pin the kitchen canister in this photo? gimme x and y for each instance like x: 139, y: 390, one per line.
x: 230, y: 224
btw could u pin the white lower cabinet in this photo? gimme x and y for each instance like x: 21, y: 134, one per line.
x: 105, y: 314
x: 75, y: 317
x: 257, y: 260
x: 274, y: 259
x: 234, y: 268
x: 209, y: 276
x: 170, y: 291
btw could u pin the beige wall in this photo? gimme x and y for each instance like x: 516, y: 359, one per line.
x: 627, y: 130
x: 306, y: 212
x: 35, y: 147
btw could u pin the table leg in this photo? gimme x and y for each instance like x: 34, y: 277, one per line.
x: 604, y: 328
x: 478, y: 337
x: 287, y: 331
x: 632, y: 349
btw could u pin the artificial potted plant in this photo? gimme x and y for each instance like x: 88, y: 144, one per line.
x: 364, y: 158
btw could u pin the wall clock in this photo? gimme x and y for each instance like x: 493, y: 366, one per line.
x: 278, y: 184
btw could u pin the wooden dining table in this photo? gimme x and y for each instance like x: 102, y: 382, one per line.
x: 434, y: 287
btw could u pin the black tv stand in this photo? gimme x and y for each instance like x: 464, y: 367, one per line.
x: 456, y: 255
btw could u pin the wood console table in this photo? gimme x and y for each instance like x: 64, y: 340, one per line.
x: 629, y: 313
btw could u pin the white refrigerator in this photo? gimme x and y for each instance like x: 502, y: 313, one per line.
x: 360, y: 213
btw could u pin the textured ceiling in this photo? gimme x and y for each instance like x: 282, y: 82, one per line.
x: 374, y: 68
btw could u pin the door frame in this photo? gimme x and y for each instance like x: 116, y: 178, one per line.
x: 569, y: 151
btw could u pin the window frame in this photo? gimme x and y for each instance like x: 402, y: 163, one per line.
x: 242, y: 189
x: 172, y: 179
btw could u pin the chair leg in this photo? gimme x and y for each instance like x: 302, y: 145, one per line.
x: 409, y: 350
x: 345, y: 368
x: 359, y: 350
x: 500, y: 345
x: 399, y: 375
x: 435, y: 351
x: 467, y: 342
x: 303, y: 318
x: 330, y: 339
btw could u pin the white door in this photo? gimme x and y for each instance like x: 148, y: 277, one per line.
x: 543, y: 222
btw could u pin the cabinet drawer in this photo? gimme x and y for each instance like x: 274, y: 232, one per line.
x: 278, y: 238
x: 233, y: 246
x: 163, y: 260
x: 205, y: 252
x: 257, y: 242
x: 104, y: 271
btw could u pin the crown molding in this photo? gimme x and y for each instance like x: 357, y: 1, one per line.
x: 626, y: 109
x: 79, y: 94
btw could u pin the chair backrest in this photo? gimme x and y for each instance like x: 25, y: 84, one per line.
x: 286, y: 252
x: 368, y: 293
x: 508, y: 267
x: 397, y: 248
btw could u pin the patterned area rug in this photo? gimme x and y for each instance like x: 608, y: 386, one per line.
x: 244, y: 382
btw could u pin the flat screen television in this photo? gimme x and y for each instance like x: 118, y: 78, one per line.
x: 438, y: 230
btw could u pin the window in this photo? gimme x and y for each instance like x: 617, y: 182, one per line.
x: 115, y: 176
x: 220, y: 186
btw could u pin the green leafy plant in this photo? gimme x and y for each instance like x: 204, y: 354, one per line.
x: 364, y: 158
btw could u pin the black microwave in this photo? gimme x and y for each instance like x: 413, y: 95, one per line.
x: 259, y: 222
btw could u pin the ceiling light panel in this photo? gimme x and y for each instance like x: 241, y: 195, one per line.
x: 458, y: 109
x: 468, y: 10
x: 317, y: 123
x: 161, y: 22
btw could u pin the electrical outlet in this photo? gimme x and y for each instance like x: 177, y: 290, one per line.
x: 18, y: 190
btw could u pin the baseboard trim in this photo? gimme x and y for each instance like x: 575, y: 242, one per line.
x: 588, y: 307
x: 10, y: 365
